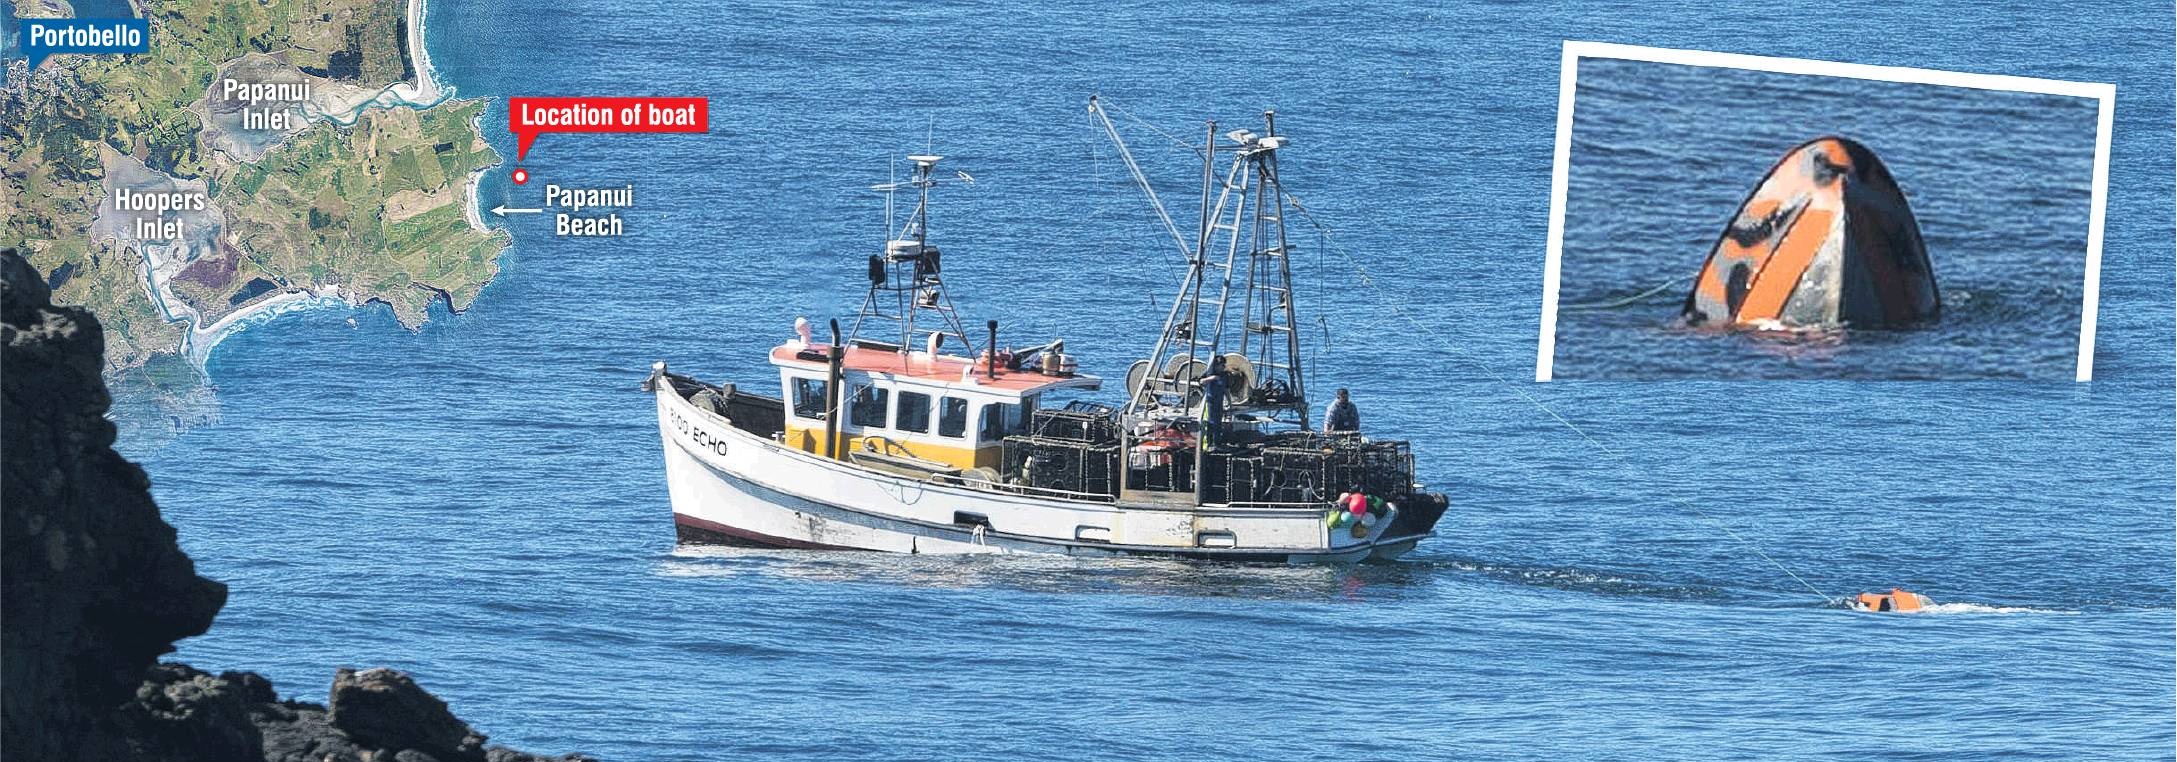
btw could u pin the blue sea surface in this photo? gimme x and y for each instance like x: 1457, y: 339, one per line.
x: 1663, y: 155
x: 482, y: 502
x: 11, y: 43
x: 102, y: 9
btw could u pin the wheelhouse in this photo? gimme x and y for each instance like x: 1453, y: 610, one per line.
x: 906, y: 410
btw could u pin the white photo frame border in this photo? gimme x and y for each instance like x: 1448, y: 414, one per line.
x: 1568, y: 82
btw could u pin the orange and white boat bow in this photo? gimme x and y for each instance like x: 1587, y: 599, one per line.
x: 1825, y: 240
x: 1898, y: 600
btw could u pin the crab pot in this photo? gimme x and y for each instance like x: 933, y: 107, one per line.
x: 1063, y: 464
x: 1075, y: 425
x: 1335, y: 464
x: 1168, y: 471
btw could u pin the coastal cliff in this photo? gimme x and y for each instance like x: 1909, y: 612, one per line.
x: 96, y: 589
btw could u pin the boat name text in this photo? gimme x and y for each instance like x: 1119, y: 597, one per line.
x: 696, y: 434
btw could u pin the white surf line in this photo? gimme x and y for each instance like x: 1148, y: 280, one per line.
x: 295, y: 300
x: 470, y: 202
x: 426, y: 88
x: 197, y: 338
x: 471, y: 199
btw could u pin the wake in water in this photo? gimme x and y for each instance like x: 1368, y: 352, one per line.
x: 1575, y: 579
x: 1981, y: 608
x: 1067, y: 575
x: 1053, y: 573
x: 1581, y: 580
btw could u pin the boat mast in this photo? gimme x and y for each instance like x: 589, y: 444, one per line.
x: 1272, y: 291
x: 1247, y: 207
x: 909, y: 272
x: 1183, y: 350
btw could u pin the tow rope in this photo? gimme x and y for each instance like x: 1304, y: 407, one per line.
x: 1611, y: 304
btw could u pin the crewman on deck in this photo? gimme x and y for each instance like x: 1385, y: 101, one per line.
x: 1213, y: 403
x: 1342, y: 417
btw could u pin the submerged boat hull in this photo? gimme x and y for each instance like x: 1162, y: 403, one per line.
x: 1827, y: 239
x: 732, y: 486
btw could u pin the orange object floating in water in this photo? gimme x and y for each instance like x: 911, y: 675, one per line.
x: 1826, y: 240
x: 1898, y: 600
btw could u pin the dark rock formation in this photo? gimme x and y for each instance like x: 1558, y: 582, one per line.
x: 384, y: 708
x: 95, y: 589
x: 182, y: 714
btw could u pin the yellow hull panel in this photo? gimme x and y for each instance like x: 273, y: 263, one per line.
x: 812, y: 441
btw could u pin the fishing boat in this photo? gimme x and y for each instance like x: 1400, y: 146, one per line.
x: 891, y: 443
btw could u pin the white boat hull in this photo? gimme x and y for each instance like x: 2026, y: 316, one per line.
x: 729, y: 485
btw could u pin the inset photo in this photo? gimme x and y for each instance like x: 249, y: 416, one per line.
x: 1743, y: 217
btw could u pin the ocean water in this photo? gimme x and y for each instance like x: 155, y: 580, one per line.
x: 1663, y: 154
x: 102, y: 8
x: 481, y: 502
x: 11, y: 42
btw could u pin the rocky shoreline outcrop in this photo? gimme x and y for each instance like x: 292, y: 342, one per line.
x: 96, y: 589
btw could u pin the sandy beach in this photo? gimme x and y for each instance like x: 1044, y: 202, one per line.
x: 471, y: 207
x: 426, y: 88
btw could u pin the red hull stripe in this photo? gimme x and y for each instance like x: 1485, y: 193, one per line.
x: 735, y: 533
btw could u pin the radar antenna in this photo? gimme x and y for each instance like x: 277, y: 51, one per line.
x: 907, y: 279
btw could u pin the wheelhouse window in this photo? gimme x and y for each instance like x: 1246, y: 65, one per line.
x: 952, y: 417
x: 809, y: 397
x: 914, y: 413
x: 1003, y: 419
x: 870, y: 406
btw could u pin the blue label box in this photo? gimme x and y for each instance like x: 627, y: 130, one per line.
x: 45, y: 37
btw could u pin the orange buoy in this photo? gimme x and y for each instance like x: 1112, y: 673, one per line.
x: 1898, y: 600
x: 1826, y: 240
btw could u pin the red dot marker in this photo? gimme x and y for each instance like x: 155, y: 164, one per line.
x: 521, y: 176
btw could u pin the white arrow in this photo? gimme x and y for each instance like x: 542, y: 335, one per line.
x: 503, y: 211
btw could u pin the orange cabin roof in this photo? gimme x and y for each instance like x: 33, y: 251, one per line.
x: 942, y: 369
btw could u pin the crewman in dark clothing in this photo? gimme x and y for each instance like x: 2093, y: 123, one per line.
x: 1213, y: 403
x: 1342, y: 417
